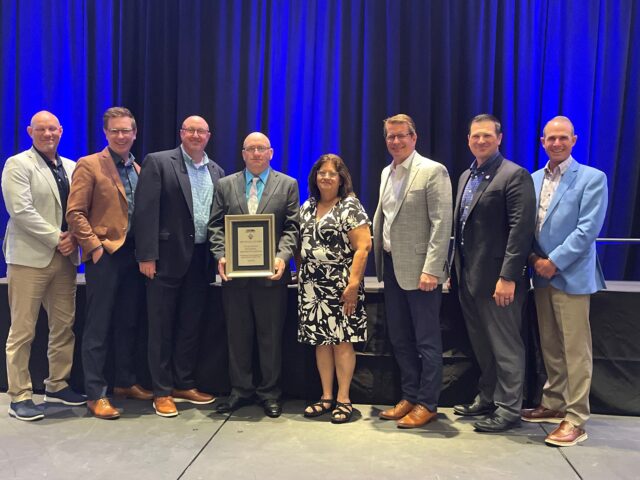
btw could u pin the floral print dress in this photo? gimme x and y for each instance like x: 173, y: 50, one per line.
x: 327, y: 256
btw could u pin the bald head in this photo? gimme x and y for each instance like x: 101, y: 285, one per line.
x: 560, y: 119
x: 45, y: 131
x: 558, y: 139
x: 256, y: 137
x: 195, y: 136
x: 44, y: 116
x: 257, y: 152
x: 194, y: 119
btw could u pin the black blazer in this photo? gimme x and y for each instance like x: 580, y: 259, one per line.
x: 163, y: 215
x: 498, y: 232
x: 280, y: 197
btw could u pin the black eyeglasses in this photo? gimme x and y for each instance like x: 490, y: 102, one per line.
x: 118, y: 131
x: 201, y: 132
x: 399, y: 136
x: 259, y: 149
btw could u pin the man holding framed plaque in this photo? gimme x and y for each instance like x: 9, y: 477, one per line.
x: 254, y: 298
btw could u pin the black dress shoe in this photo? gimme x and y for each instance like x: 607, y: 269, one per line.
x: 231, y: 403
x: 495, y: 424
x: 272, y: 408
x: 474, y: 409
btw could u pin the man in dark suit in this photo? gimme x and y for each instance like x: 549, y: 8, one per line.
x: 173, y: 205
x: 256, y: 307
x: 494, y: 222
x: 99, y: 213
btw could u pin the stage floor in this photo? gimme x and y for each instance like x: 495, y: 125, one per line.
x: 200, y: 444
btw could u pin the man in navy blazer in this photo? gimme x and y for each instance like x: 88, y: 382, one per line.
x: 572, y: 203
x: 494, y: 221
x: 173, y: 204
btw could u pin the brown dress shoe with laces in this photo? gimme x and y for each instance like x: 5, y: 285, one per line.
x: 566, y: 435
x: 541, y: 414
x: 165, y: 407
x: 102, y: 408
x: 192, y: 396
x: 396, y: 413
x: 419, y: 416
x: 135, y: 391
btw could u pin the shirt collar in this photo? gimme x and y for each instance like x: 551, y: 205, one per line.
x: 562, y: 166
x: 486, y: 166
x: 406, y: 163
x: 119, y: 160
x: 248, y: 176
x: 187, y: 157
x: 47, y: 159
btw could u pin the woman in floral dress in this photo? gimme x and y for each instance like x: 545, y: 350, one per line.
x: 335, y: 242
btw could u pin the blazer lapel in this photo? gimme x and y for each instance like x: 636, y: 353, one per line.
x: 411, y: 176
x: 215, y: 176
x: 43, y: 169
x: 68, y: 171
x: 180, y: 169
x: 385, y: 178
x: 461, y: 184
x: 240, y: 191
x: 565, y: 182
x: 537, y: 185
x: 110, y: 170
x: 484, y: 183
x: 270, y: 187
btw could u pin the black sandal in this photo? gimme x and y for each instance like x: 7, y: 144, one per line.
x: 319, y: 408
x: 342, y: 413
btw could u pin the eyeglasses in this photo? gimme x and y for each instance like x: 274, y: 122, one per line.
x: 201, y: 132
x: 116, y: 131
x: 259, y: 149
x: 328, y: 174
x: 399, y: 136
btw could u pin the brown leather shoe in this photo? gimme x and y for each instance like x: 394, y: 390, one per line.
x: 102, y: 408
x: 165, y: 407
x: 192, y: 396
x: 135, y: 391
x: 566, y: 435
x: 396, y: 413
x: 419, y: 416
x: 541, y: 414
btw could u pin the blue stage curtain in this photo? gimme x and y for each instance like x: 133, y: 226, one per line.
x: 320, y: 76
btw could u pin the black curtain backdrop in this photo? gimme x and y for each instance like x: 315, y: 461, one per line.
x: 320, y: 76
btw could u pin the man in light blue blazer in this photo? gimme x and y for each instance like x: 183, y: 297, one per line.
x: 572, y: 203
x: 41, y: 258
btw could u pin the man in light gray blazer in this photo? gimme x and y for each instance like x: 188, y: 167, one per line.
x: 411, y: 231
x: 41, y: 259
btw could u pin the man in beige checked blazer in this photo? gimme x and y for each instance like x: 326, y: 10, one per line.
x: 411, y: 231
